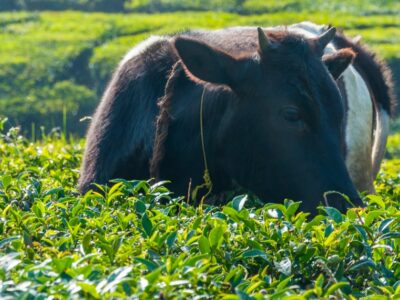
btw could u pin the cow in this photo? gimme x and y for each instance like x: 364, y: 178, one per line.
x: 283, y: 112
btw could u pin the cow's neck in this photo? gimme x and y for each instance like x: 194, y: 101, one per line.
x: 184, y: 158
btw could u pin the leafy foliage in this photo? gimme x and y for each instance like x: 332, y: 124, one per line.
x: 136, y: 239
x: 242, y: 6
x: 90, y: 5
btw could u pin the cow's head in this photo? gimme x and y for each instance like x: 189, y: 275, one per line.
x: 284, y: 137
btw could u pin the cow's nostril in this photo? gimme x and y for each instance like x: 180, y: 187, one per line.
x: 357, y: 202
x: 342, y: 201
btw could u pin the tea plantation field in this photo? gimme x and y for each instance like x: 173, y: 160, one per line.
x: 137, y: 240
x: 54, y: 65
x: 140, y: 241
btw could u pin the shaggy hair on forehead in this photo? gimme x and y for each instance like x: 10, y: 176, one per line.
x: 289, y: 42
x: 295, y: 51
x: 290, y: 51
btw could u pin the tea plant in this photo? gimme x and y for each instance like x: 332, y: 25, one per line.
x: 138, y: 240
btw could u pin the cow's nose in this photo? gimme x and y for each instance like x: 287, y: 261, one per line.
x: 342, y: 203
x: 357, y: 202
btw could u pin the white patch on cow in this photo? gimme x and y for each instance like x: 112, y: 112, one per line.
x: 310, y: 30
x: 382, y: 120
x: 359, y: 127
x: 141, y: 47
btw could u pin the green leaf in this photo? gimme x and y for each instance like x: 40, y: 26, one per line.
x: 108, y: 250
x: 147, y: 225
x: 283, y: 283
x: 377, y: 199
x: 171, y: 239
x: 6, y: 181
x: 320, y: 281
x: 351, y: 215
x: 151, y: 266
x: 372, y: 215
x: 114, y: 190
x: 276, y: 210
x: 239, y: 201
x: 9, y: 261
x: 334, y: 214
x: 397, y: 292
x: 191, y: 261
x: 204, y: 245
x: 117, y: 277
x: 328, y: 230
x: 154, y: 275
x: 231, y: 213
x: 197, y: 223
x: 385, y: 224
x: 8, y: 240
x: 291, y: 210
x: 116, y: 244
x: 86, y: 243
x: 89, y: 289
x: 362, y: 232
x: 215, y: 237
x: 60, y: 265
x: 389, y: 235
x: 140, y: 207
x: 362, y: 265
x: 316, y: 221
x: 243, y: 295
x: 335, y: 287
x: 255, y: 253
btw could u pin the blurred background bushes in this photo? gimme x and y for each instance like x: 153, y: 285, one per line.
x: 55, y: 64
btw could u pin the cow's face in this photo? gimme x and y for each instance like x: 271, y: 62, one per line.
x: 284, y: 138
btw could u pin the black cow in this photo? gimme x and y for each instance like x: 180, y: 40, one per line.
x: 274, y: 119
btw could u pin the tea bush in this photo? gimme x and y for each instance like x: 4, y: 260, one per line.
x: 241, y: 6
x: 138, y: 240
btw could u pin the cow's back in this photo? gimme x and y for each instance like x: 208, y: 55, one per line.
x: 121, y: 134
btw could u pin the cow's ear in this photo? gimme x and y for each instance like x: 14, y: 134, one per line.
x: 338, y: 62
x: 205, y: 62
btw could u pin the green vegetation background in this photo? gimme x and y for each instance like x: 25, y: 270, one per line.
x: 130, y: 242
x: 54, y: 65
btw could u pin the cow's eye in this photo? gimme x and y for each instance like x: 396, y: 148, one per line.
x: 291, y: 114
x: 293, y: 117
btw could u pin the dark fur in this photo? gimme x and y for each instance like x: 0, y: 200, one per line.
x: 150, y: 111
x: 120, y: 138
x: 346, y: 56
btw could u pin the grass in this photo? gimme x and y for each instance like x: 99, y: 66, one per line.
x: 139, y: 240
x: 55, y: 61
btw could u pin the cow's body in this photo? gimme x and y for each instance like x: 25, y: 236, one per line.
x: 121, y: 137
